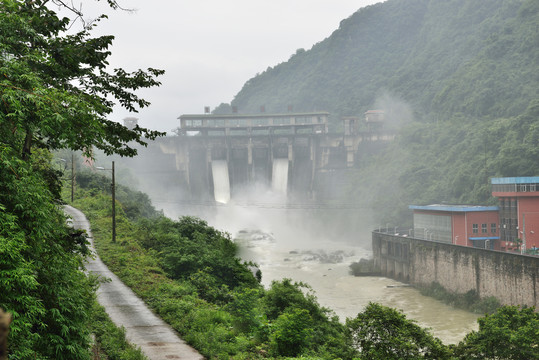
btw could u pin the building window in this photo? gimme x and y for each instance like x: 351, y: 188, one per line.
x: 260, y: 122
x: 483, y: 228
x: 475, y: 228
x: 493, y: 228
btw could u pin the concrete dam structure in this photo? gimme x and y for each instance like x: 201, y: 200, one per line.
x: 221, y: 155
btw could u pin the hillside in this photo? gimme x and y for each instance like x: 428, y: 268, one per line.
x: 439, y: 56
x: 460, y: 78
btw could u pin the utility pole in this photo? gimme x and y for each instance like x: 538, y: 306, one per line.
x: 113, y: 205
x: 113, y: 191
x: 523, y: 247
x: 72, y: 177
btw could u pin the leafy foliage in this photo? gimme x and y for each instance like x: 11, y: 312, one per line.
x: 40, y: 259
x: 55, y: 89
x: 380, y: 332
x: 189, y: 248
x: 134, y: 204
x: 293, y: 331
x: 511, y: 333
x: 55, y: 92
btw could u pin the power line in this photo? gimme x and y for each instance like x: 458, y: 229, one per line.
x: 292, y: 206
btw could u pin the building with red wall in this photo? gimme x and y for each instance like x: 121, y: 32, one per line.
x: 465, y: 225
x: 519, y: 211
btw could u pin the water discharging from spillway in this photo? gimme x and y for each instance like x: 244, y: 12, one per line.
x: 279, y: 178
x: 221, y: 183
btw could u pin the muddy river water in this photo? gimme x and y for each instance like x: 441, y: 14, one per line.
x: 297, y: 244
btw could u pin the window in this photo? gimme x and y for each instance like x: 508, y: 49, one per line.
x: 493, y: 228
x: 260, y: 122
x: 483, y: 228
x: 433, y: 227
x: 475, y: 228
x: 281, y: 121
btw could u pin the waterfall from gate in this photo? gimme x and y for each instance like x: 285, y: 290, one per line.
x: 221, y: 183
x: 279, y: 179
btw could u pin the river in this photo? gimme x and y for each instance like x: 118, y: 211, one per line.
x: 316, y: 247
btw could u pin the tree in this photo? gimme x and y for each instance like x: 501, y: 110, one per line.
x: 511, y: 333
x: 292, y: 332
x: 55, y: 89
x: 55, y: 92
x: 380, y: 332
x: 40, y: 261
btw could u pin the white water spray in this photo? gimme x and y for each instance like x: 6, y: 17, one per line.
x: 279, y: 179
x: 221, y: 183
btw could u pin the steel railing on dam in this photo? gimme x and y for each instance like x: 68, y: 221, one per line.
x: 512, y: 278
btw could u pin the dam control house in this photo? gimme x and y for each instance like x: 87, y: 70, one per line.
x: 465, y: 225
x: 513, y: 225
x: 518, y: 199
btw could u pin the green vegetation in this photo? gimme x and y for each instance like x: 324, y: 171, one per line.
x: 39, y: 267
x: 511, y: 333
x: 384, y: 333
x: 189, y: 274
x: 110, y: 342
x: 458, y: 79
x: 55, y: 93
x: 469, y: 301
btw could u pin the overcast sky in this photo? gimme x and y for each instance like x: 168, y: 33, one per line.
x: 210, y: 48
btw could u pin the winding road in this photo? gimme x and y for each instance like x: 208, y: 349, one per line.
x: 143, y: 328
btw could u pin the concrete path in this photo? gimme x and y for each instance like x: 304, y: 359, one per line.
x: 143, y: 328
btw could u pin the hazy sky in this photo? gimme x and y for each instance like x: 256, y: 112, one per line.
x: 210, y: 48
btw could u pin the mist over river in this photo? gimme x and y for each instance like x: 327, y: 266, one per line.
x: 316, y: 246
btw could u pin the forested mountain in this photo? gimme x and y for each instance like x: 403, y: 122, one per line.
x: 467, y: 70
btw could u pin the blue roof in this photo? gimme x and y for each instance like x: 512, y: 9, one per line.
x: 453, y: 208
x: 485, y: 238
x: 515, y: 180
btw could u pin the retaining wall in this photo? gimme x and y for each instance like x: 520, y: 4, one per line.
x: 511, y: 278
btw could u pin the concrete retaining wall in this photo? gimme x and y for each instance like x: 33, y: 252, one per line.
x: 511, y: 278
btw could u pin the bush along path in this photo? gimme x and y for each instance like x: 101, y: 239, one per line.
x: 143, y: 328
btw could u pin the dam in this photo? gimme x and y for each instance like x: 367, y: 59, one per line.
x: 219, y: 156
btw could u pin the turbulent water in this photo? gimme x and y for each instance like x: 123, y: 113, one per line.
x: 317, y: 246
x: 221, y: 183
x: 325, y: 267
x: 279, y: 179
